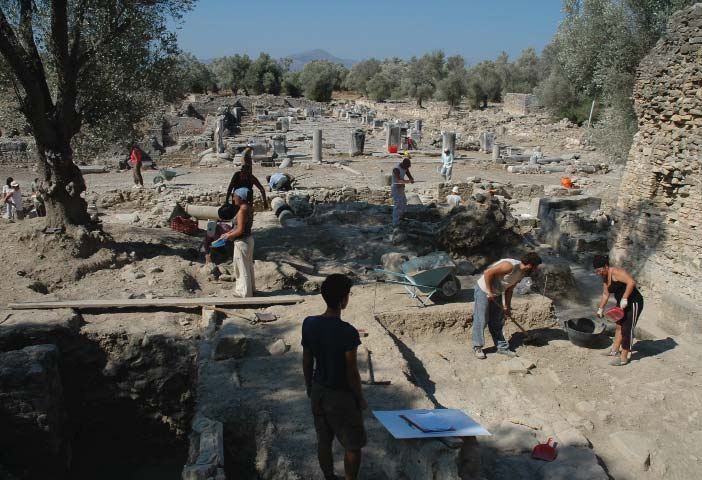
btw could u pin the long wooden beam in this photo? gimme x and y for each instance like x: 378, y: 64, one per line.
x: 160, y: 302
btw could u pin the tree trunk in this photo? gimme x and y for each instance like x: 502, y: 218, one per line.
x: 62, y: 187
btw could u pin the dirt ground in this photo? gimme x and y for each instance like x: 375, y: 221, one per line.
x: 638, y: 421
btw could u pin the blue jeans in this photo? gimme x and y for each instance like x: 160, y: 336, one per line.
x: 487, y: 313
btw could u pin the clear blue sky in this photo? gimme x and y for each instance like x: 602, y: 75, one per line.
x: 358, y: 29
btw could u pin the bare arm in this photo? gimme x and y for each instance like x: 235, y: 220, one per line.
x: 261, y: 189
x: 354, y: 378
x: 230, y: 188
x: 502, y: 268
x: 508, y: 299
x: 307, y: 365
x: 621, y: 275
x: 605, y: 295
x: 409, y: 175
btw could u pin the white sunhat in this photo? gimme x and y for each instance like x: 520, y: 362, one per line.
x: 454, y: 189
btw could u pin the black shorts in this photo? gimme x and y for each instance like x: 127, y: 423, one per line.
x: 628, y: 323
x: 337, y: 414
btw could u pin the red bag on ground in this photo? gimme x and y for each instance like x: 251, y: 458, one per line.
x: 184, y: 225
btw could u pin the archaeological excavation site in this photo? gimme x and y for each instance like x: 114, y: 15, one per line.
x: 523, y: 259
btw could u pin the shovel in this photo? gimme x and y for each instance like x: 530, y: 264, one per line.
x: 544, y: 451
x: 530, y: 338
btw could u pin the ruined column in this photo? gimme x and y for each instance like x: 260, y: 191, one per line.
x: 392, y: 136
x: 496, y: 153
x: 279, y: 145
x: 358, y: 140
x: 448, y: 140
x: 317, y: 146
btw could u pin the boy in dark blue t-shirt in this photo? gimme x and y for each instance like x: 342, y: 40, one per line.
x: 332, y: 379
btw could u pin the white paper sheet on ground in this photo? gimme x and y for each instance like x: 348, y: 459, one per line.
x: 463, y: 425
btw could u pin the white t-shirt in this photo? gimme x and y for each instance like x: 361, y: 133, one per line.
x: 453, y: 200
x: 16, y: 198
x: 500, y: 283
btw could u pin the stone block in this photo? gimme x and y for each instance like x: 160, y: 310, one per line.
x: 279, y: 347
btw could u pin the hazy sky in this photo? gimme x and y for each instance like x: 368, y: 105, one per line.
x: 357, y: 29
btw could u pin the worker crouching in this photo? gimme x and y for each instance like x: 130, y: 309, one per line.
x: 243, y: 261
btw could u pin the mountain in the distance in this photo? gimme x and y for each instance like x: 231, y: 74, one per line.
x: 299, y: 60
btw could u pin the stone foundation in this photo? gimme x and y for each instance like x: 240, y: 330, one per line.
x: 659, y: 212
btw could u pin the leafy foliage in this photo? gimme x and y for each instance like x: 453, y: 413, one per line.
x: 230, y: 72
x: 320, y: 78
x: 264, y: 75
x: 359, y: 75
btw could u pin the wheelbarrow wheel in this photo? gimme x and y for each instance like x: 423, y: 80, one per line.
x: 448, y: 288
x: 158, y: 179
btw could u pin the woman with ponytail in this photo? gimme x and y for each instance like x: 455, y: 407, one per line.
x: 617, y: 281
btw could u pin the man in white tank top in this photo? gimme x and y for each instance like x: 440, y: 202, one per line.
x: 400, y: 177
x: 500, y: 278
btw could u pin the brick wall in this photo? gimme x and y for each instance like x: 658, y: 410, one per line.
x: 659, y: 210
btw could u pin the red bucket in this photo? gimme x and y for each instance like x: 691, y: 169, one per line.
x: 615, y: 314
x: 392, y: 149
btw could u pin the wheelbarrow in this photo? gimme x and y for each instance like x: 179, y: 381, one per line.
x: 166, y: 174
x: 426, y: 277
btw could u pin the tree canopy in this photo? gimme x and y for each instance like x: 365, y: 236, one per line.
x: 79, y: 62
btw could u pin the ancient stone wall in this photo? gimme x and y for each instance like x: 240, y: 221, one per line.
x: 659, y: 212
x: 520, y: 103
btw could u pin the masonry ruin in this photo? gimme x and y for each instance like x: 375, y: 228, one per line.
x: 660, y: 198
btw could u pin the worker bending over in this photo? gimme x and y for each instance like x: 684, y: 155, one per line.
x: 400, y: 177
x: 490, y: 307
x: 623, y: 286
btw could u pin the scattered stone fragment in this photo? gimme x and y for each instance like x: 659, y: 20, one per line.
x: 279, y: 347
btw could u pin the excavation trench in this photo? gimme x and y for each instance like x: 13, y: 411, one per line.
x: 111, y: 405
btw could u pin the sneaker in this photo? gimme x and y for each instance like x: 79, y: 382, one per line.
x: 611, y: 353
x: 507, y: 353
x: 617, y: 362
x: 479, y: 353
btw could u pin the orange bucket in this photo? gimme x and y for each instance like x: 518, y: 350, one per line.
x: 566, y: 182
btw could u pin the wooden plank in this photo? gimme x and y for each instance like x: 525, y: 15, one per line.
x: 160, y: 302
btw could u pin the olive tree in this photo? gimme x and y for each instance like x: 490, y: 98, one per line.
x: 73, y: 62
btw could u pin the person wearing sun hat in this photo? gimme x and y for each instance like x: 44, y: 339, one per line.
x: 243, y: 261
x: 454, y: 200
x: 619, y: 282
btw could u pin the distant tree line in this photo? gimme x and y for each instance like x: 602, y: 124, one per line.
x: 592, y: 57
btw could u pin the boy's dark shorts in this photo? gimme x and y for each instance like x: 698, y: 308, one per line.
x: 336, y: 413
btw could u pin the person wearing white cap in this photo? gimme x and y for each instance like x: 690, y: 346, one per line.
x: 242, y: 261
x: 13, y: 199
x: 447, y: 166
x: 454, y: 200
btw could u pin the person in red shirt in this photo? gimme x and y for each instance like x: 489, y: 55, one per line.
x: 135, y: 160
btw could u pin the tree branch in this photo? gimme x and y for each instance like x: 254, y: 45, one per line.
x: 36, y: 103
